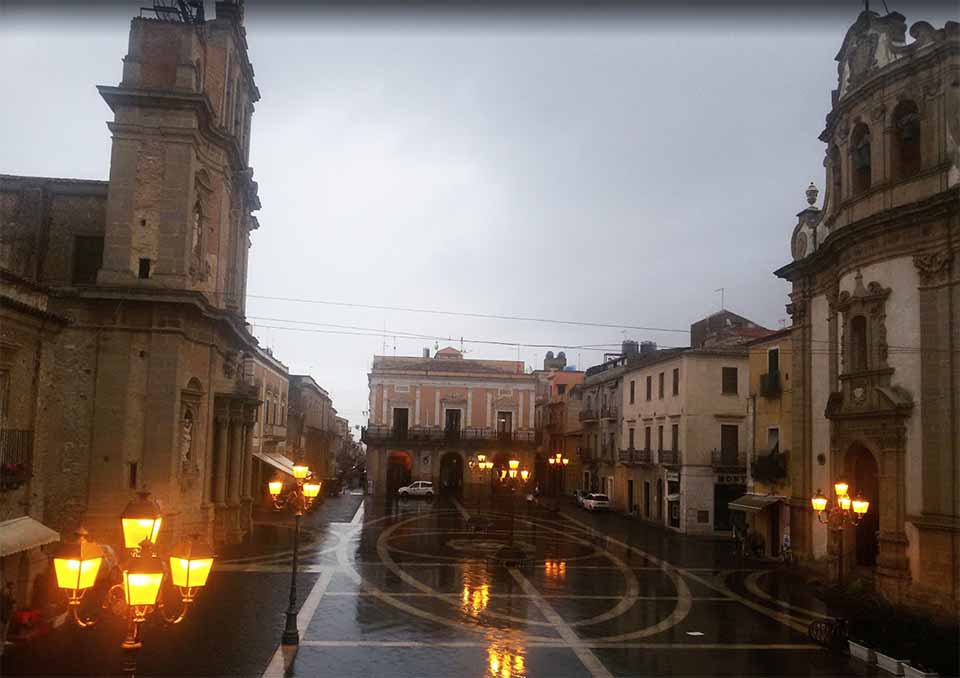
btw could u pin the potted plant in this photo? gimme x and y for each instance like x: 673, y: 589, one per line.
x: 859, y: 650
x: 890, y: 664
x: 917, y: 670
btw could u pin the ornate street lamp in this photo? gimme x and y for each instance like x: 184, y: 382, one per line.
x: 840, y: 514
x: 299, y: 499
x: 76, y: 567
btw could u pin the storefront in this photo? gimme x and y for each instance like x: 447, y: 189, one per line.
x: 762, y: 521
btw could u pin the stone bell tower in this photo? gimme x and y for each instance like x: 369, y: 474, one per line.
x: 181, y: 194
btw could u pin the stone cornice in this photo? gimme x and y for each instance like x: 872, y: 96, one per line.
x: 198, y: 103
x: 943, y: 204
x: 194, y: 299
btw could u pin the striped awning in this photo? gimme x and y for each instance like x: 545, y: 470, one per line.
x: 277, y: 461
x: 754, y: 502
x: 24, y: 533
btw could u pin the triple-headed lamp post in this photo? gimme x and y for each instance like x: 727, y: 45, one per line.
x: 840, y: 514
x: 299, y: 499
x: 76, y: 566
x: 558, y: 462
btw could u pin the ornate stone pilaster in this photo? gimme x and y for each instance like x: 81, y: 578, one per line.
x: 933, y: 268
x: 221, y: 459
x: 236, y: 459
x: 250, y: 412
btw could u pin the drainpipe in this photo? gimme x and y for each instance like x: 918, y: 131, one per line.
x: 753, y: 445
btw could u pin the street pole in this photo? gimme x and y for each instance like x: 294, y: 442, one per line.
x: 131, y: 645
x: 291, y: 635
x: 840, y: 559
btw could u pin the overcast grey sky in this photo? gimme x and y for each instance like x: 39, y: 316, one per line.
x: 599, y: 170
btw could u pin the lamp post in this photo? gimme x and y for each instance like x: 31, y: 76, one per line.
x: 558, y: 463
x: 299, y: 499
x: 77, y: 564
x: 840, y: 514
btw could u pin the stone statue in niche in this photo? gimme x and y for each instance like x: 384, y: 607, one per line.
x: 186, y: 439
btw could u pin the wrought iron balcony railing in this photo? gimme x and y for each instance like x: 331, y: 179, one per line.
x: 729, y: 459
x: 770, y: 384
x: 634, y: 456
x: 608, y: 412
x: 381, y: 434
x: 588, y: 414
x: 16, y: 458
x: 669, y: 457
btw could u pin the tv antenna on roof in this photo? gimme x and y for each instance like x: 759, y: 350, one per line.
x: 721, y: 290
x: 184, y: 11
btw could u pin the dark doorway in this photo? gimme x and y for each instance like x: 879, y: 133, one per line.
x: 630, y: 496
x: 723, y: 495
x: 660, y: 499
x: 646, y: 498
x: 401, y: 417
x: 504, y: 425
x: 451, y: 473
x: 399, y: 466
x: 861, y: 468
x: 451, y: 425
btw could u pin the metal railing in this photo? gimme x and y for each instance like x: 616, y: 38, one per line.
x: 728, y: 459
x: 16, y: 457
x: 588, y: 414
x: 770, y: 384
x: 634, y: 456
x: 435, y: 434
x: 669, y: 457
x: 608, y: 412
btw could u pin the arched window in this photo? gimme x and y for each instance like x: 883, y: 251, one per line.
x: 860, y: 159
x: 836, y: 176
x: 858, y: 344
x: 906, y: 140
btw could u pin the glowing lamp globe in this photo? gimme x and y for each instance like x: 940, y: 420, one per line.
x: 481, y: 458
x: 524, y: 474
x: 141, y: 521
x: 819, y: 502
x: 190, y: 564
x: 300, y: 471
x: 844, y: 502
x: 76, y: 565
x: 311, y: 490
x: 514, y: 464
x: 860, y: 505
x: 552, y: 461
x: 275, y: 487
x: 565, y: 461
x: 142, y: 580
x: 513, y: 473
x: 841, y: 488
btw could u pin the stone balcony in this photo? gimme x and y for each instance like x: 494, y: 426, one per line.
x: 433, y: 436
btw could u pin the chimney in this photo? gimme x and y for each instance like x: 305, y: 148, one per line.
x: 426, y: 352
x: 629, y: 348
x: 647, y: 347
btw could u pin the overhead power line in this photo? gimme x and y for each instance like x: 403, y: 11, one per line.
x: 465, y: 314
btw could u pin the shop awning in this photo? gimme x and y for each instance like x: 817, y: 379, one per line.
x: 754, y: 502
x: 23, y: 533
x: 277, y: 461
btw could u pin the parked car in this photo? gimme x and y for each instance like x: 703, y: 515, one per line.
x: 596, y: 502
x: 420, y: 488
x: 578, y: 496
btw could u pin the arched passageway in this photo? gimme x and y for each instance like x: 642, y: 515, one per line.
x: 451, y: 473
x: 399, y: 466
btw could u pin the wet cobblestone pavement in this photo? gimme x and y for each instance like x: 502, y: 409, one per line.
x: 409, y: 589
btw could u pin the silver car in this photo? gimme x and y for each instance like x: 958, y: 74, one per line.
x: 596, y: 502
x: 420, y: 488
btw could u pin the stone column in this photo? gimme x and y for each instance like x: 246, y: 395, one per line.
x: 236, y: 459
x: 220, y: 465
x: 247, y: 481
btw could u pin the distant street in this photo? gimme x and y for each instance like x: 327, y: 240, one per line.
x: 390, y: 588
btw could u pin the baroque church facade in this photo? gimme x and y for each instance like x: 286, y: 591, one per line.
x: 875, y: 304
x: 148, y: 378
